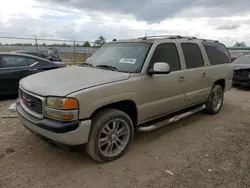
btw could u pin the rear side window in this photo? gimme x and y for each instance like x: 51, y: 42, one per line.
x: 193, y: 56
x: 168, y: 53
x: 13, y: 61
x: 217, y: 53
x: 31, y: 61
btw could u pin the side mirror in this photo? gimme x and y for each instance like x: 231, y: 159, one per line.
x: 160, y: 68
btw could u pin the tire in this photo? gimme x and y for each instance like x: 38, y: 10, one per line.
x: 214, y: 109
x: 103, y: 120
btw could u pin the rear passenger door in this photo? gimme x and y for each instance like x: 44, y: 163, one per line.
x: 197, y: 85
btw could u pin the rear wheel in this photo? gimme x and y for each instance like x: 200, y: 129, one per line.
x: 111, y: 135
x: 215, y: 100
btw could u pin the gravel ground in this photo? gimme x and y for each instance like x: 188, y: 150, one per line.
x: 199, y: 151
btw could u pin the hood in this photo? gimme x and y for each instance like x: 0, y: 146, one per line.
x: 241, y: 66
x: 61, y: 82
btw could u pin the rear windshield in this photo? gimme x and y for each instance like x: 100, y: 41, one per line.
x: 217, y: 53
x: 126, y: 57
x: 242, y: 60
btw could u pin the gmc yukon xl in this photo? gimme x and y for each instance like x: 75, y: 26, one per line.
x: 126, y: 86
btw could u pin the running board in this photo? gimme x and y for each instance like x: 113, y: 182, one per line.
x: 170, y: 120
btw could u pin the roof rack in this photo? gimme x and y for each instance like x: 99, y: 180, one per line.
x: 166, y: 36
x: 175, y: 37
x: 209, y: 40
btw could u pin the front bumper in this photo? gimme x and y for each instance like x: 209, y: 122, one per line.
x: 241, y: 81
x: 73, y: 133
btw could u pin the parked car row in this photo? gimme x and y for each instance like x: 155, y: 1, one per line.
x: 15, y: 66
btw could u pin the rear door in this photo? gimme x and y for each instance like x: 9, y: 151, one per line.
x: 220, y: 66
x: 197, y: 85
x: 13, y: 69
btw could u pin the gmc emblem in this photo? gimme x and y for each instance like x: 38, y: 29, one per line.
x: 26, y: 101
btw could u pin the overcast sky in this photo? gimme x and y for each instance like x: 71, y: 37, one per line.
x: 224, y: 20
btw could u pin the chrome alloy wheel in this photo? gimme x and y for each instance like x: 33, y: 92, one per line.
x: 113, y: 138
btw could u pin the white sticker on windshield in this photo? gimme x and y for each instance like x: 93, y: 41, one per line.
x: 127, y: 60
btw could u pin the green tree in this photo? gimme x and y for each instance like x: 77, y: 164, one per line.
x: 64, y: 44
x: 240, y: 45
x: 86, y: 44
x: 100, y: 41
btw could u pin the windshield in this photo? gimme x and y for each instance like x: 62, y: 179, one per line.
x: 242, y: 60
x: 125, y: 57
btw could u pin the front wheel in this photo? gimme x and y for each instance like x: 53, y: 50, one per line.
x: 215, y: 100
x: 111, y: 135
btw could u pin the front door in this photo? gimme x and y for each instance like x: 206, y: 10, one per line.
x: 162, y: 94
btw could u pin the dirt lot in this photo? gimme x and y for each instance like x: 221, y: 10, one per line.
x: 200, y: 151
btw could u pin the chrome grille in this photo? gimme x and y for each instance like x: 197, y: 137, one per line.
x: 31, y: 102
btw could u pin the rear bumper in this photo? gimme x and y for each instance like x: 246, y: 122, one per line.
x: 74, y: 133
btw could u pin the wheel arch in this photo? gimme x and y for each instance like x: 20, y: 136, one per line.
x: 127, y: 106
x: 220, y: 82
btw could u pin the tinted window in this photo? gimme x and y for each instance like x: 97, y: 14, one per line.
x: 168, y: 53
x: 31, y: 61
x: 13, y: 61
x: 217, y: 53
x: 193, y: 56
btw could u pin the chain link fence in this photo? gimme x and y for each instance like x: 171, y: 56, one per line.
x: 70, y: 51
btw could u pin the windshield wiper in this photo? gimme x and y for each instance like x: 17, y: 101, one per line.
x: 86, y: 65
x: 107, y: 67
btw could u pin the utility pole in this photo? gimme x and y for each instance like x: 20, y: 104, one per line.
x: 74, y: 50
x: 36, y: 42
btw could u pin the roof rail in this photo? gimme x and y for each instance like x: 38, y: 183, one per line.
x: 167, y: 37
x: 158, y: 36
x: 209, y: 40
x: 175, y: 37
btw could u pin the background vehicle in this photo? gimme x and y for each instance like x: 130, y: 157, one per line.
x: 235, y: 55
x: 14, y: 67
x: 51, y: 55
x: 141, y: 84
x: 241, y: 67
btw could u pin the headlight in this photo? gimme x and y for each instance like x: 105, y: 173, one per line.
x: 62, y: 103
x: 65, y: 109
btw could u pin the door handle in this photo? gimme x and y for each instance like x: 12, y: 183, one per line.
x: 181, y: 79
x: 204, y: 74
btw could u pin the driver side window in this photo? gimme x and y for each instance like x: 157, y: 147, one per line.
x: 167, y: 52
